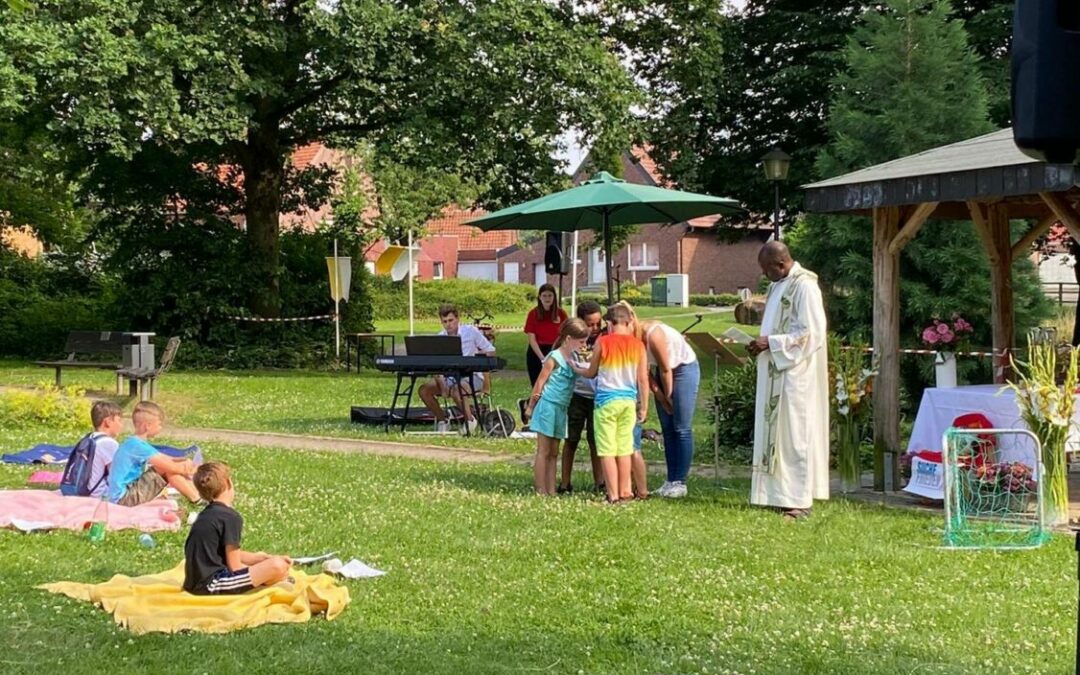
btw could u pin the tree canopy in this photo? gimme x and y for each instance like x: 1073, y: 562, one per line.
x: 912, y: 82
x: 166, y: 103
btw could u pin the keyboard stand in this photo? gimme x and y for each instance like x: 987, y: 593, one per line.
x: 407, y: 392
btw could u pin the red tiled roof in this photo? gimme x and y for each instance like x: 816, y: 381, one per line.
x: 304, y: 155
x: 643, y: 159
x: 452, y: 223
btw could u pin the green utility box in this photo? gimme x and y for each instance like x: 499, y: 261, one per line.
x: 659, y: 291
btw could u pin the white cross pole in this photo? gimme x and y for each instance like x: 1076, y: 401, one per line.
x: 411, y: 328
x: 337, y: 303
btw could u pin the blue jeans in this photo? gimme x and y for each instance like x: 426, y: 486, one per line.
x: 678, y: 427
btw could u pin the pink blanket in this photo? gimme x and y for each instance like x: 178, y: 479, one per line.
x: 51, y: 509
x: 45, y: 478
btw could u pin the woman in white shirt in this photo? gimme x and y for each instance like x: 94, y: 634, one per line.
x: 677, y: 376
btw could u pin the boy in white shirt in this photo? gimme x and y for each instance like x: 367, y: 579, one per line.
x: 108, y: 420
x: 473, y: 343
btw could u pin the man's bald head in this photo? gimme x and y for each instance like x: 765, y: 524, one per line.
x: 775, y: 260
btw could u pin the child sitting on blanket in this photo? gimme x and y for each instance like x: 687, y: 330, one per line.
x: 139, y: 472
x: 214, y: 563
x: 108, y: 420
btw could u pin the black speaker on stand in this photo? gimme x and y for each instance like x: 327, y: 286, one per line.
x: 1046, y: 79
x: 1046, y: 99
x: 556, y: 261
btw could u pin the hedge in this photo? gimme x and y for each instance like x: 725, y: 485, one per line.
x: 471, y: 296
x: 719, y: 300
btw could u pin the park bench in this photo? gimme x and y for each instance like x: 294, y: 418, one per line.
x: 142, y: 382
x: 102, y: 350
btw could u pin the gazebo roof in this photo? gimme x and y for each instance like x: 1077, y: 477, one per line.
x: 976, y: 169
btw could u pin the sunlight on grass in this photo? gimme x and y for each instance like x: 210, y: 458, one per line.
x: 310, y: 403
x: 484, y: 577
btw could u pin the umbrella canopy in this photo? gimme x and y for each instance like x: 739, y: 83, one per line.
x: 603, y: 201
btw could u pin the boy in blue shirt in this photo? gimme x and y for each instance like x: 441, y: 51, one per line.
x: 139, y: 472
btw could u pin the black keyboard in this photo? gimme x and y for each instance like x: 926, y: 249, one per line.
x: 439, y: 364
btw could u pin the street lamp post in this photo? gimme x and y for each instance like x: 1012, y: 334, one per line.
x: 776, y: 163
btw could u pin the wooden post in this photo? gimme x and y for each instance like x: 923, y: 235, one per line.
x: 1002, y: 310
x: 992, y: 225
x: 886, y: 345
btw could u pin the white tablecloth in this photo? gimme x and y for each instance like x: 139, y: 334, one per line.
x: 939, y: 407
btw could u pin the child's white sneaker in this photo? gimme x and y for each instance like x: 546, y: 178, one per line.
x: 470, y: 427
x: 442, y: 426
x: 663, y: 490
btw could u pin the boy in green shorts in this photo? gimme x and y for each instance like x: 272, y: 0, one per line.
x: 620, y: 367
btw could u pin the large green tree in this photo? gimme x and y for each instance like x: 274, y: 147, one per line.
x: 724, y: 89
x: 160, y: 98
x: 912, y: 83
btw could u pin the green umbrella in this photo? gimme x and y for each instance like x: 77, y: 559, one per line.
x: 603, y: 201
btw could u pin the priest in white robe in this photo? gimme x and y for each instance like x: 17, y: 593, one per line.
x: 791, y: 429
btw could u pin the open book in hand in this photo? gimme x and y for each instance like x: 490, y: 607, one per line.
x: 737, y: 335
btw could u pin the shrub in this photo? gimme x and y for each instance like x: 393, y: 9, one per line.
x: 42, y: 299
x: 719, y: 300
x: 56, y: 409
x: 733, y: 412
x: 390, y: 299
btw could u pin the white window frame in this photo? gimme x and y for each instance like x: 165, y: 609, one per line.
x: 644, y: 256
x: 437, y: 270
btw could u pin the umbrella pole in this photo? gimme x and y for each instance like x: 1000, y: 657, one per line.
x: 607, y: 260
x: 573, y: 275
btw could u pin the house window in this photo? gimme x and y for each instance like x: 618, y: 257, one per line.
x: 644, y: 256
x: 437, y: 271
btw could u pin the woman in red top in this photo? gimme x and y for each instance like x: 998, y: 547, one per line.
x: 542, y: 327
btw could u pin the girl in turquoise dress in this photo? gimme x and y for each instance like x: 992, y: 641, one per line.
x: 546, y: 411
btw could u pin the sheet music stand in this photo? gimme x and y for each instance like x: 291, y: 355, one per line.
x: 708, y: 345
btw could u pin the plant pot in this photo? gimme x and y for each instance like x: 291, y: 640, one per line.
x: 945, y: 370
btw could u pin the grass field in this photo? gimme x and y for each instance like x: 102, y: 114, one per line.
x: 318, y: 402
x: 485, y: 578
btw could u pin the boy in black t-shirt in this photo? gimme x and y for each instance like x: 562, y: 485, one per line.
x: 214, y: 563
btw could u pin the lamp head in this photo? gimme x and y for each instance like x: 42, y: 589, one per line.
x: 776, y: 163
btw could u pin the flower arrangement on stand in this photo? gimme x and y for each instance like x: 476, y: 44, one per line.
x: 1047, y: 409
x: 850, y: 405
x: 1002, y: 488
x: 947, y: 336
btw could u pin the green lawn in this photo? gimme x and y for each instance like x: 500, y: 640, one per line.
x: 318, y: 402
x: 485, y: 578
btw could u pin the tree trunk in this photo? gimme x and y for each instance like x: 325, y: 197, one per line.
x: 264, y: 177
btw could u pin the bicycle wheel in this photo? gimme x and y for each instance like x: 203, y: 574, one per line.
x: 498, y: 423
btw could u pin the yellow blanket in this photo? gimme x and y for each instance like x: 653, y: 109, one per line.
x: 157, y: 603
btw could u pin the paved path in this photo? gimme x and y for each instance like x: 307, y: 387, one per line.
x: 391, y: 449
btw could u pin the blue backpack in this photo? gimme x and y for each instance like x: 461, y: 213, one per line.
x: 76, y: 479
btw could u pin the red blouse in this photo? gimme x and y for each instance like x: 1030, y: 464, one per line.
x: 546, y: 330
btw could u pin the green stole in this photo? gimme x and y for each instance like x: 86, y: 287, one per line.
x: 776, y: 377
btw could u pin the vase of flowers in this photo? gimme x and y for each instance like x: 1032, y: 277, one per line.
x: 850, y: 406
x: 1047, y: 409
x: 946, y: 338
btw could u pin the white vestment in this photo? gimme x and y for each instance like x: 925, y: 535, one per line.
x: 791, y: 428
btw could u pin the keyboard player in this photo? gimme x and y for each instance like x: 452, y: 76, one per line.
x: 473, y: 343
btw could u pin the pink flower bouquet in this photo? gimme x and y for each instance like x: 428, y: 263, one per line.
x: 947, y: 335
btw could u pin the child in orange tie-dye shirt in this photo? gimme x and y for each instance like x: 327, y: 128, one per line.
x: 622, y: 398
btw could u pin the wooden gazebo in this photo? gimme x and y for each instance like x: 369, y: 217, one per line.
x: 985, y: 180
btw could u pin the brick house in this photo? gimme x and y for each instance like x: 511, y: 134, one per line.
x: 691, y: 248
x: 452, y: 249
